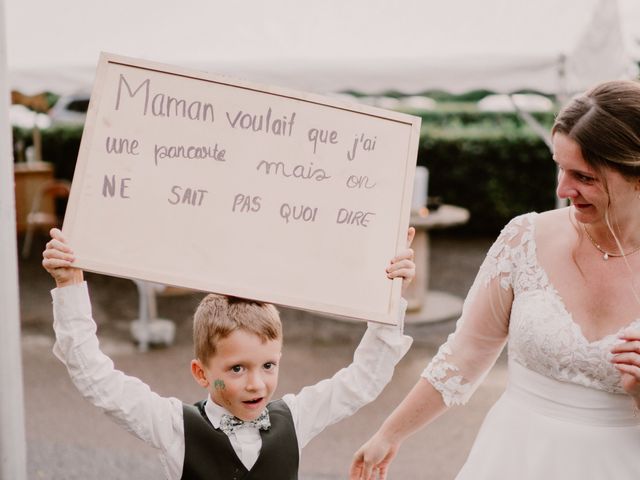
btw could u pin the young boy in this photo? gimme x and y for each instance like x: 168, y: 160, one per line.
x: 237, y: 432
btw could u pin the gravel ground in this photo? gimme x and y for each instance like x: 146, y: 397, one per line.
x: 70, y: 439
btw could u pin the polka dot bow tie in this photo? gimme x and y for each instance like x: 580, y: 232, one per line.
x: 229, y: 423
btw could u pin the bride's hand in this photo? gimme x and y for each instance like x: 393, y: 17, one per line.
x: 626, y: 358
x: 372, y: 460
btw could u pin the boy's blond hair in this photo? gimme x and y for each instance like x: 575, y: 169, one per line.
x: 218, y: 316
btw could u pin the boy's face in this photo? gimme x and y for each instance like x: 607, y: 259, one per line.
x: 243, y: 373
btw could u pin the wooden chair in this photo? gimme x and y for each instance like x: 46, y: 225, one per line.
x: 40, y: 218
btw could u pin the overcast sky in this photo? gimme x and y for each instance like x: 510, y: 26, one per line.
x: 70, y: 32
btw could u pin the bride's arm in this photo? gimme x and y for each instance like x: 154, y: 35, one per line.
x: 449, y: 379
x: 462, y: 362
x: 422, y: 405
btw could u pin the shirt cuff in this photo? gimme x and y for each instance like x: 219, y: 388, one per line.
x: 393, y: 335
x: 72, y: 310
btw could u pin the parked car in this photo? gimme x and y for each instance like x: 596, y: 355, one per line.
x: 70, y: 110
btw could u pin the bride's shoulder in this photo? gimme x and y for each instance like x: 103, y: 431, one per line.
x: 537, y: 227
x: 519, y: 225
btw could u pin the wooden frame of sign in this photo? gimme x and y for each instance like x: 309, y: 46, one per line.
x: 197, y: 180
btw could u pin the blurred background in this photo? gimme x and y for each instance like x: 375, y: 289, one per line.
x: 470, y: 69
x: 487, y: 78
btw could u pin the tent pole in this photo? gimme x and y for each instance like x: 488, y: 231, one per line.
x: 534, y: 124
x: 562, y: 97
x: 12, y: 434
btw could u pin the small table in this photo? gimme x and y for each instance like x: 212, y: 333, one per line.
x: 426, y: 306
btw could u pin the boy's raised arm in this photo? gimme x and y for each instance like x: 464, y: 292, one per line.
x: 127, y: 400
x: 381, y: 348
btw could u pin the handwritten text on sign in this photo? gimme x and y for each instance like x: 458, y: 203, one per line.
x: 194, y: 180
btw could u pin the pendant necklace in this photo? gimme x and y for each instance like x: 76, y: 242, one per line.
x: 605, y: 254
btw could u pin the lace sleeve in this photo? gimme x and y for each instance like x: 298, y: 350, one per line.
x: 481, y: 332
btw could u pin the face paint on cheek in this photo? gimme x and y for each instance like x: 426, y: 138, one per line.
x: 218, y: 384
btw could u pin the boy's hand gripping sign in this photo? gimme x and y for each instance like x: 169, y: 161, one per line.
x: 195, y: 180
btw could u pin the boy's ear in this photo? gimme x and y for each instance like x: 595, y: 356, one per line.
x: 200, y: 376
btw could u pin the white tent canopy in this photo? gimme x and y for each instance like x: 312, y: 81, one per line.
x: 335, y: 45
x: 330, y: 45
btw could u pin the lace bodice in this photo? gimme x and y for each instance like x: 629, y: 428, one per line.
x: 513, y: 298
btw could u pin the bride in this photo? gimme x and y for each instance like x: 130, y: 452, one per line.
x: 563, y: 288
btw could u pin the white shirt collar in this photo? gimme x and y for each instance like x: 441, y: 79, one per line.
x: 214, y: 412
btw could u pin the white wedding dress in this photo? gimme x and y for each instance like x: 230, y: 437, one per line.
x: 564, y: 414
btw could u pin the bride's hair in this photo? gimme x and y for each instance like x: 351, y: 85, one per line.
x: 605, y: 122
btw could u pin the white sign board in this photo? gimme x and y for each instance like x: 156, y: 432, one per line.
x: 196, y: 180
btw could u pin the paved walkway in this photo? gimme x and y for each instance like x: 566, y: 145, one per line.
x: 69, y: 439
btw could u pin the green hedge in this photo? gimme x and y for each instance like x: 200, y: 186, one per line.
x: 60, y: 146
x: 495, y: 173
x: 489, y: 120
x: 491, y: 164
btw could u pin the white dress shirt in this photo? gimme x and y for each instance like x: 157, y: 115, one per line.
x: 158, y: 420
